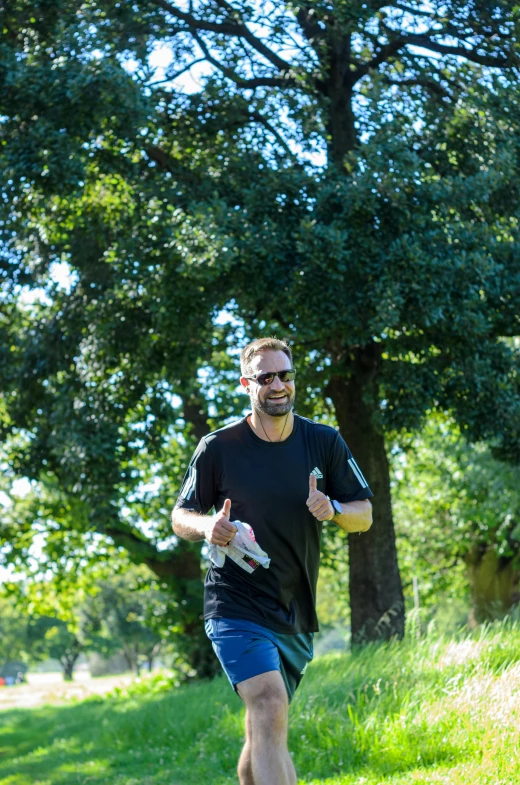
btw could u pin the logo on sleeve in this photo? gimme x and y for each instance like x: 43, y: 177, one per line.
x: 317, y: 473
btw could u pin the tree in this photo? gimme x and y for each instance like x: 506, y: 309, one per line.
x: 49, y: 606
x: 25, y: 637
x: 122, y: 616
x: 458, y: 516
x: 76, y: 572
x: 50, y: 637
x: 347, y: 174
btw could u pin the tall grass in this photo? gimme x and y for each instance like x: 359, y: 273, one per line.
x: 428, y: 710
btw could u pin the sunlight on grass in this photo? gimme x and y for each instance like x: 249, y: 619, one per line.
x: 17, y: 779
x: 426, y: 710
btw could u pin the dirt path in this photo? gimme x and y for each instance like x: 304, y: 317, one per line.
x: 50, y: 688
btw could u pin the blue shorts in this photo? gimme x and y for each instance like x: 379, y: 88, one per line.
x: 246, y: 649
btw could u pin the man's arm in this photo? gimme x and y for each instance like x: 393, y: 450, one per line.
x: 189, y: 525
x: 355, y: 516
x: 216, y: 529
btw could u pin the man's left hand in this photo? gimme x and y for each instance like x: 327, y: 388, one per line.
x: 318, y: 503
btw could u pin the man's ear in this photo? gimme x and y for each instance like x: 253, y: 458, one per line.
x: 245, y: 383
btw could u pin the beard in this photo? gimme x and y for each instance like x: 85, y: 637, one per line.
x: 274, y: 409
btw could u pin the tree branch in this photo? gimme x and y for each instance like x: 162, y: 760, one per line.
x: 424, y: 41
x: 171, y: 565
x: 246, y: 84
x: 189, y: 180
x: 177, y: 74
x: 161, y: 158
x: 417, y: 39
x: 308, y: 22
x: 234, y: 13
x: 281, y: 141
x: 408, y: 9
x: 233, y: 28
x: 430, y: 84
x: 385, y: 52
x: 135, y: 543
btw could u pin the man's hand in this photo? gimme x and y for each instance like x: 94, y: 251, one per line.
x: 219, y: 529
x: 318, y: 503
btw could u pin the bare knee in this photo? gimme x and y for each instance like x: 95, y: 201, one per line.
x: 269, y: 708
x: 266, y: 702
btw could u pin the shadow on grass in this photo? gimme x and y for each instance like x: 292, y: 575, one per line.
x: 345, y: 720
x: 144, y: 741
x: 186, y: 738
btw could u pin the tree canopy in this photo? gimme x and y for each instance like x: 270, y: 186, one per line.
x: 345, y: 174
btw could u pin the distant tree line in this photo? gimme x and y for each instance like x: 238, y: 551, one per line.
x: 117, y: 617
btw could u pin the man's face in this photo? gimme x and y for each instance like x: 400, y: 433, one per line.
x: 277, y: 398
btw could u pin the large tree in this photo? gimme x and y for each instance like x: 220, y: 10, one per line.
x: 346, y: 173
x: 457, y: 518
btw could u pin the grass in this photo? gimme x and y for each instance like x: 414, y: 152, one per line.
x: 424, y: 712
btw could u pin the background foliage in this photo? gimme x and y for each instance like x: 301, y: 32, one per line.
x: 345, y: 175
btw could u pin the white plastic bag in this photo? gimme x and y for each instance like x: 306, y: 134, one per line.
x: 243, y: 550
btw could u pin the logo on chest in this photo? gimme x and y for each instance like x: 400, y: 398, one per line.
x: 317, y: 473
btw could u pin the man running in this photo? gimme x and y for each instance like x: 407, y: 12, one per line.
x: 283, y: 475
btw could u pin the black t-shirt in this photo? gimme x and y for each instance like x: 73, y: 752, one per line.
x: 268, y: 484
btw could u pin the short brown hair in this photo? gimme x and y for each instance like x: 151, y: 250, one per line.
x: 262, y: 345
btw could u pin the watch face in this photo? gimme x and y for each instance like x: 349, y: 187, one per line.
x: 337, y: 507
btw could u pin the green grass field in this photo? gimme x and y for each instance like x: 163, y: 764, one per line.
x: 426, y: 711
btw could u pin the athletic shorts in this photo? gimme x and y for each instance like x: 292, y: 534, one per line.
x: 246, y: 649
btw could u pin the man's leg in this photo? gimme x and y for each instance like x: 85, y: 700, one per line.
x: 245, y: 771
x: 265, y: 754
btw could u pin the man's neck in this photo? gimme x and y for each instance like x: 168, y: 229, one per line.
x: 271, y: 429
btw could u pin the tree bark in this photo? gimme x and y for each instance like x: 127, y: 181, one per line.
x: 184, y: 574
x: 337, y: 88
x: 68, y: 662
x: 195, y: 414
x: 341, y: 131
x: 376, y: 595
x: 493, y: 584
x: 131, y: 655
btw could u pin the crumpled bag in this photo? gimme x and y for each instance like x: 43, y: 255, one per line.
x: 243, y: 550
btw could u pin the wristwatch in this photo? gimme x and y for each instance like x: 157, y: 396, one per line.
x: 336, y: 506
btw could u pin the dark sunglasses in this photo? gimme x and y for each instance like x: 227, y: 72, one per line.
x: 268, y: 378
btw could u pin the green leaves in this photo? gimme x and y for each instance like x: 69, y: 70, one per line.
x: 325, y: 179
x: 452, y: 499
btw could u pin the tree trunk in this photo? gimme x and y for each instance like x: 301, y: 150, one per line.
x: 184, y: 574
x: 493, y: 582
x: 376, y: 595
x: 341, y: 131
x: 131, y: 661
x: 194, y: 409
x: 68, y: 662
x: 338, y: 89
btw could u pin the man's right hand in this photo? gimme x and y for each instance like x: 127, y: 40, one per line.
x: 220, y: 530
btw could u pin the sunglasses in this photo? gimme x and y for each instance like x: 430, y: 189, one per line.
x: 268, y: 378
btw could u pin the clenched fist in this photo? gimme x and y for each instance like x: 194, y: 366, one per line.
x: 220, y: 530
x: 318, y: 503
